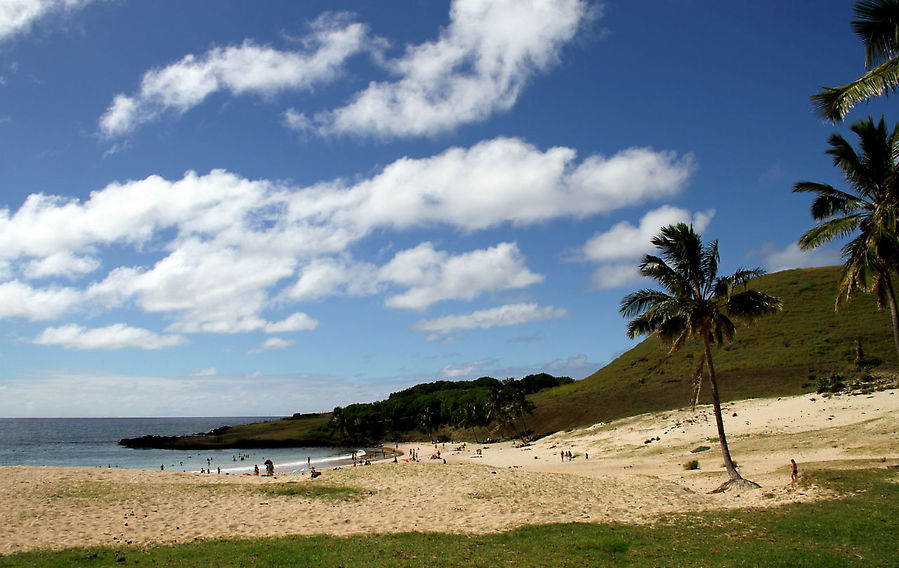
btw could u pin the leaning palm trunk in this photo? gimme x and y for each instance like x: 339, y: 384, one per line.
x: 735, y: 478
x: 894, y: 310
x: 719, y: 420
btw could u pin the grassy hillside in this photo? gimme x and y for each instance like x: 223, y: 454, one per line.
x: 781, y: 354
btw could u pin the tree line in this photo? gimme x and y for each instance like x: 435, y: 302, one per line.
x: 480, y: 407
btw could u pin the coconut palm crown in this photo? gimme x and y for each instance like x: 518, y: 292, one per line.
x: 867, y: 212
x: 878, y: 27
x: 694, y: 303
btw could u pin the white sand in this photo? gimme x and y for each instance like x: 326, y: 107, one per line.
x: 624, y: 479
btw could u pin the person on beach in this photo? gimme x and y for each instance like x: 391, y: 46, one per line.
x: 794, y: 471
x: 255, y: 469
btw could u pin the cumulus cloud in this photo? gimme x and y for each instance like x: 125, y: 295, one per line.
x: 329, y: 276
x: 457, y: 371
x: 295, y: 322
x: 19, y: 16
x: 61, y: 263
x: 241, y: 69
x: 619, y: 249
x: 613, y: 275
x: 794, y: 257
x: 508, y: 180
x: 116, y: 336
x: 270, y: 344
x: 477, y: 67
x: 20, y: 300
x: 624, y: 240
x: 217, y: 253
x: 432, y: 276
x: 509, y: 314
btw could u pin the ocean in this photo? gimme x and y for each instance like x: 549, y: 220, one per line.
x: 94, y: 442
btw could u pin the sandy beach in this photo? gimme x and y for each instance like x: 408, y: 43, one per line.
x: 629, y: 470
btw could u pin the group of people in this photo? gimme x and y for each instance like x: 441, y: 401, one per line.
x: 269, y: 468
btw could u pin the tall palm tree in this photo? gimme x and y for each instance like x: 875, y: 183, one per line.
x: 872, y: 257
x: 878, y: 26
x: 695, y: 303
x: 339, y: 422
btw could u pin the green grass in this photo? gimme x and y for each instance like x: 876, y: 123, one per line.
x: 857, y: 530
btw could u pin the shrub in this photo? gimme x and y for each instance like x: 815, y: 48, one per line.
x: 833, y: 383
x: 692, y: 464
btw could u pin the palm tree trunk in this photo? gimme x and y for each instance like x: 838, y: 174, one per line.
x: 716, y: 401
x: 894, y: 310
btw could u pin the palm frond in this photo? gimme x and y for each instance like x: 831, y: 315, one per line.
x: 638, y: 302
x: 656, y: 268
x: 744, y: 275
x: 878, y: 26
x: 828, y: 231
x: 829, y: 201
x: 750, y: 305
x: 834, y: 103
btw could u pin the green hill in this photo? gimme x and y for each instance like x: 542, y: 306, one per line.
x: 783, y: 354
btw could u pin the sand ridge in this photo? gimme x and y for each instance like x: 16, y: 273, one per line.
x: 634, y: 473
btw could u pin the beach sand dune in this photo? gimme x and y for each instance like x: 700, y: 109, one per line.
x: 634, y: 473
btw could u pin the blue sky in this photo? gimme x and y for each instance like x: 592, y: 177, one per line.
x: 261, y: 208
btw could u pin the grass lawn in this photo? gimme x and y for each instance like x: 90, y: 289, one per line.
x: 860, y: 529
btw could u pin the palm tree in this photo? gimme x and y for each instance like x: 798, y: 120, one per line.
x: 872, y: 256
x: 878, y: 26
x: 496, y: 409
x: 695, y: 303
x: 339, y: 422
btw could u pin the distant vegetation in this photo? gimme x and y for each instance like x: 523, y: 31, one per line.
x: 476, y: 409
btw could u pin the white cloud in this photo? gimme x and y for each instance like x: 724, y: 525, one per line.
x: 18, y: 16
x: 62, y: 263
x: 627, y: 241
x: 327, y: 276
x: 509, y: 180
x: 116, y: 336
x: 270, y: 344
x: 455, y: 371
x: 215, y: 252
x: 477, y: 67
x: 614, y: 275
x: 793, y: 257
x: 247, y: 68
x: 509, y: 314
x: 619, y: 249
x: 295, y: 322
x: 207, y: 372
x: 432, y: 276
x: 22, y: 301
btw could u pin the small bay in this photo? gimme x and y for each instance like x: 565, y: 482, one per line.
x: 94, y: 442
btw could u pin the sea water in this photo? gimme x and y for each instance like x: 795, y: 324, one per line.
x: 94, y: 442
